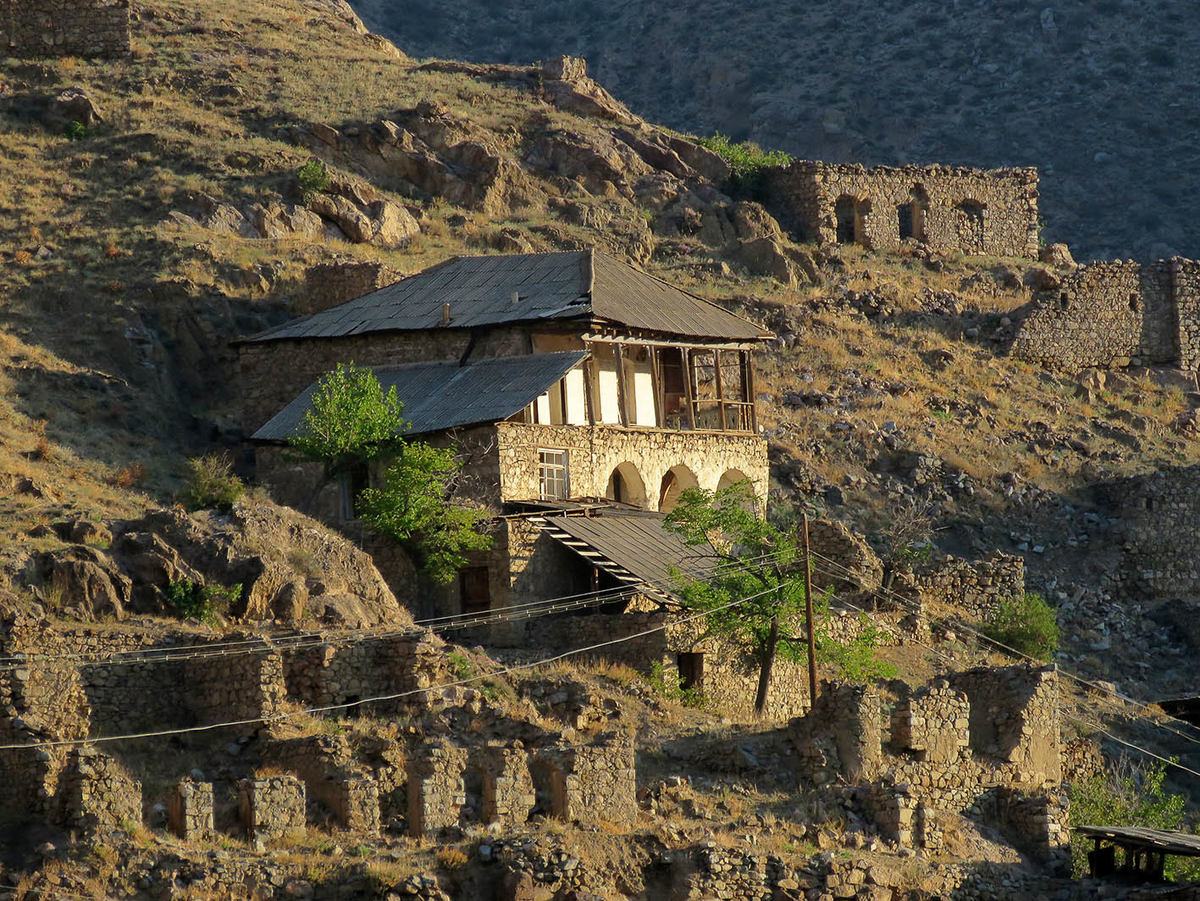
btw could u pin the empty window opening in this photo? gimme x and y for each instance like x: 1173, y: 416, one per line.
x: 970, y: 223
x: 1064, y: 302
x: 676, y: 481
x: 904, y: 215
x: 1133, y: 303
x: 691, y: 670
x: 846, y: 213
x: 552, y: 475
x: 625, y: 486
x: 475, y: 590
x: 912, y: 215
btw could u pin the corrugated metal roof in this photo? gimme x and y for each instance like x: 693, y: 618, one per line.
x: 1182, y: 843
x: 567, y: 285
x: 636, y: 542
x: 443, y: 395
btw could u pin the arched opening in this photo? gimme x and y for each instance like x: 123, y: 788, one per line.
x: 732, y: 477
x: 845, y: 210
x: 969, y: 215
x: 677, y: 480
x: 625, y: 486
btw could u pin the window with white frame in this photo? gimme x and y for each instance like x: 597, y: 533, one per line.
x: 552, y: 474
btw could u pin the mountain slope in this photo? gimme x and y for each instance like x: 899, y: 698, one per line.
x: 1101, y: 97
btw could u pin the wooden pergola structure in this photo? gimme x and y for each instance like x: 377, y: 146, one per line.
x: 1145, y: 850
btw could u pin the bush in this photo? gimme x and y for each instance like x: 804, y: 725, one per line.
x: 1128, y: 794
x: 76, y: 131
x: 1026, y: 624
x: 747, y: 163
x: 203, y: 602
x: 312, y: 178
x: 212, y: 484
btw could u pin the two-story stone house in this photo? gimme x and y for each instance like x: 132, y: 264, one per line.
x: 567, y: 380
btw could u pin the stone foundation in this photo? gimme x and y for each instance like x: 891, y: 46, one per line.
x: 436, y: 789
x: 97, y: 793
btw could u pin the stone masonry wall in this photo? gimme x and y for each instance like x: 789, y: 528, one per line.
x: 436, y: 788
x: 334, y: 283
x: 190, y: 810
x: 271, y: 806
x: 950, y: 745
x: 594, y: 452
x: 975, y: 587
x: 98, y: 793
x: 64, y: 27
x: 595, y: 783
x: 806, y: 193
x: 326, y: 765
x: 1108, y: 314
x: 243, y: 687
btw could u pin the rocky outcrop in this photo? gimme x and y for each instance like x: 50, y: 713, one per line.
x: 290, y: 568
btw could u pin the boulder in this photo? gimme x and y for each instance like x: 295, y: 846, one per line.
x: 87, y: 582
x: 764, y: 256
x: 73, y: 104
x: 1057, y: 255
x: 567, y: 86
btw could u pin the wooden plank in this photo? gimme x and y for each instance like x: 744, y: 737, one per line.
x: 686, y: 353
x: 720, y: 389
x: 622, y: 393
x: 660, y: 403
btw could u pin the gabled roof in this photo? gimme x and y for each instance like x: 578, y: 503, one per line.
x: 586, y: 285
x: 443, y: 395
x: 632, y: 546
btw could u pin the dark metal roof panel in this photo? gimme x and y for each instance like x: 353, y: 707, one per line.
x: 444, y: 395
x: 637, y: 542
x: 549, y: 285
x: 1168, y: 842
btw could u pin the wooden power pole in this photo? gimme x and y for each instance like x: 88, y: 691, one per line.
x: 808, y: 620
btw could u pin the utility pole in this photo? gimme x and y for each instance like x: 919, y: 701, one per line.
x: 808, y: 621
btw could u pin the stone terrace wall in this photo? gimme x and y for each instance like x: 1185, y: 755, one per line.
x: 1107, y: 314
x: 97, y: 793
x: 977, y: 586
x: 272, y: 373
x: 807, y: 192
x: 1161, y: 544
x: 326, y: 765
x: 595, y: 783
x: 64, y: 27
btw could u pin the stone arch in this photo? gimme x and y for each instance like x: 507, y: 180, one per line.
x: 625, y: 485
x: 969, y: 217
x: 731, y: 477
x: 676, y: 481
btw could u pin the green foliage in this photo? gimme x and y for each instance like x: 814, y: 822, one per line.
x: 760, y: 565
x: 203, y: 602
x: 77, y: 131
x: 747, y: 163
x: 670, y: 688
x: 1027, y: 624
x: 312, y: 178
x: 413, y: 507
x: 460, y: 665
x: 211, y: 484
x: 1129, y: 794
x: 351, y: 421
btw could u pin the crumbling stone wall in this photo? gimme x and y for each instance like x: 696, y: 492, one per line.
x: 949, y: 744
x: 271, y: 806
x: 190, y: 810
x: 326, y: 765
x: 436, y: 787
x: 974, y: 586
x: 338, y: 281
x: 842, y: 559
x: 1161, y: 544
x: 594, y: 783
x: 508, y: 793
x: 949, y: 209
x: 248, y: 686
x: 64, y: 27
x: 97, y: 792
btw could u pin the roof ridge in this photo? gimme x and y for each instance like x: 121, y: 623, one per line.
x: 766, y: 334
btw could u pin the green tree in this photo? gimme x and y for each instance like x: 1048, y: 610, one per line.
x: 413, y: 508
x: 762, y: 564
x: 352, y: 422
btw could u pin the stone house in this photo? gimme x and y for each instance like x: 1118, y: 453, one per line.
x: 578, y: 391
x: 948, y: 209
x: 64, y: 27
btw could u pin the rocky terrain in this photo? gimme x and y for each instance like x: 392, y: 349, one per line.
x: 154, y: 213
x: 1098, y: 96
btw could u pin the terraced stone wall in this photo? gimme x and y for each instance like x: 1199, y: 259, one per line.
x: 30, y: 28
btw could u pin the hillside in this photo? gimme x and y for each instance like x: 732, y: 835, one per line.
x: 1098, y: 96
x: 154, y: 212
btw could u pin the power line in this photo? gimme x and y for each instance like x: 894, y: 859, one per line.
x: 59, y: 743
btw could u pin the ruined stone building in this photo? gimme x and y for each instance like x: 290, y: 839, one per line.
x: 584, y: 395
x: 1117, y: 313
x: 64, y: 27
x: 949, y: 209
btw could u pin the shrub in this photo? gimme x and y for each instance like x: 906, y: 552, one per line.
x: 312, y: 178
x: 747, y: 163
x: 212, y: 484
x: 1026, y: 624
x: 76, y: 131
x: 203, y: 602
